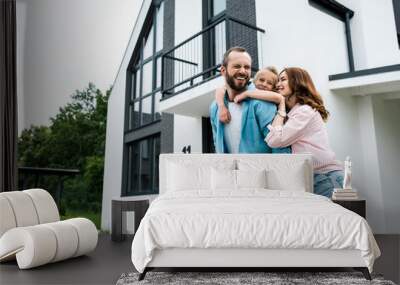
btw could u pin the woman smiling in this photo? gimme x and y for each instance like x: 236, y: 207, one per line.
x: 303, y: 128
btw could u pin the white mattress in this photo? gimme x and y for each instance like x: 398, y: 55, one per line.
x: 253, y: 218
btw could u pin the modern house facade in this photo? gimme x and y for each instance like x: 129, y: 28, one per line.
x: 166, y: 82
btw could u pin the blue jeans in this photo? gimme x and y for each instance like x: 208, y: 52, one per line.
x: 325, y: 182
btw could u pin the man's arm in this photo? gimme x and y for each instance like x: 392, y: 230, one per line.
x: 213, y: 116
x: 224, y: 115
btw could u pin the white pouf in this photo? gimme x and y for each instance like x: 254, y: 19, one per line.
x: 31, y: 232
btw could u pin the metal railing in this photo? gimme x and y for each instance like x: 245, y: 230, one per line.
x: 198, y: 58
x: 30, y: 177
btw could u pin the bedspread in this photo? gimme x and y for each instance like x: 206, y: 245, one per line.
x: 253, y: 218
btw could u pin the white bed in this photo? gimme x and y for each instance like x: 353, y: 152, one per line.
x: 214, y: 211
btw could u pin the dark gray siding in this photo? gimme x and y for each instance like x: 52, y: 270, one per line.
x: 246, y: 12
x: 167, y: 121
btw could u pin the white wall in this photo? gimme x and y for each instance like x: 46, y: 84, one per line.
x: 115, y: 127
x: 62, y: 45
x: 368, y: 174
x: 186, y: 25
x: 187, y: 131
x: 320, y: 49
x: 373, y: 32
x: 188, y: 19
x: 316, y: 41
x: 387, y: 122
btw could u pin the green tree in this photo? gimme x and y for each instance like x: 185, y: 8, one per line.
x: 74, y: 139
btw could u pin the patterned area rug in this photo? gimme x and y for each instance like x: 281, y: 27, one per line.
x: 229, y: 278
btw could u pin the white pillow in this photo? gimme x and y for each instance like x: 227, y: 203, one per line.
x: 223, y: 179
x: 183, y: 178
x: 282, y: 173
x: 292, y: 179
x: 193, y: 175
x: 251, y: 178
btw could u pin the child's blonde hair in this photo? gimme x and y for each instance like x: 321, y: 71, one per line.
x: 271, y: 69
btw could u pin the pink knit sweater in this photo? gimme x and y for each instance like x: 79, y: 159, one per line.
x: 305, y: 132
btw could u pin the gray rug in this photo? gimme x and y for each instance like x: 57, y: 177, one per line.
x: 228, y: 278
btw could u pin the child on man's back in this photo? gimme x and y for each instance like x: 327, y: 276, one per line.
x: 266, y: 79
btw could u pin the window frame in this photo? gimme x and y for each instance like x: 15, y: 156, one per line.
x: 136, y: 65
x: 396, y: 14
x: 210, y: 18
x: 133, y: 181
x: 135, y: 132
x: 209, y: 59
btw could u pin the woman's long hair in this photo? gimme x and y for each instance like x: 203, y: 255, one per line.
x: 302, y: 86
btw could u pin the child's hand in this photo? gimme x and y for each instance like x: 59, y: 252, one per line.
x: 239, y: 98
x: 224, y: 115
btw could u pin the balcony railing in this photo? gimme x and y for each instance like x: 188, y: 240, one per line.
x: 30, y: 177
x: 198, y: 58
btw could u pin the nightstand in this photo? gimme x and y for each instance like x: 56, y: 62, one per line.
x: 357, y: 206
x: 139, y: 206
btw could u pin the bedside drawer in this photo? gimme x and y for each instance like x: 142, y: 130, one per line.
x: 357, y: 206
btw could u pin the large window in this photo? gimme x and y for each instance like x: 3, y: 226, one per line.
x: 143, y: 93
x: 214, y: 39
x: 216, y: 7
x: 143, y: 166
x: 145, y: 74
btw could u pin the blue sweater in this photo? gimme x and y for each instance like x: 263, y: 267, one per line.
x: 256, y: 115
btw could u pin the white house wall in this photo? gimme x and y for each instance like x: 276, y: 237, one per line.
x: 187, y: 131
x: 374, y: 34
x: 387, y: 122
x: 371, y: 186
x: 313, y: 40
x: 188, y: 21
x: 374, y: 45
x: 187, y: 24
x: 307, y: 37
x: 115, y: 127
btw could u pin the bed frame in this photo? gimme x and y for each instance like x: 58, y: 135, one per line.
x: 246, y: 259
x: 249, y: 259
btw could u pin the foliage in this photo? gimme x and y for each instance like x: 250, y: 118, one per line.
x: 75, y: 139
x: 33, y: 147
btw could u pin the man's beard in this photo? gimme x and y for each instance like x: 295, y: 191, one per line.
x: 230, y: 80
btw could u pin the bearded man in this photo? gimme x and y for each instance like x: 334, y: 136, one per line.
x: 247, y: 129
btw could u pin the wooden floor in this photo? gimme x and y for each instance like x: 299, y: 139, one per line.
x: 111, y: 259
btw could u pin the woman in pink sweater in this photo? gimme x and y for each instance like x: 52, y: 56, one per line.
x: 304, y: 129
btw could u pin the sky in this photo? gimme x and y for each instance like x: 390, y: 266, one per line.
x: 62, y: 45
